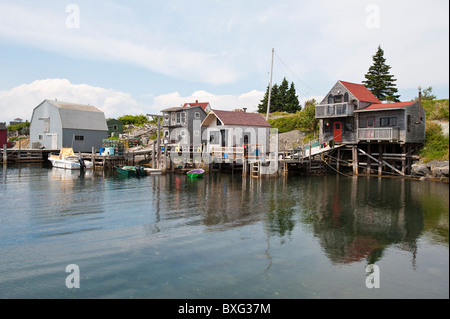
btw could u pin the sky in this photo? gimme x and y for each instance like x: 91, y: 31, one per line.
x: 139, y: 57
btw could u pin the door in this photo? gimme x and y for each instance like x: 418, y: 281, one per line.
x: 54, y: 141
x: 338, y: 131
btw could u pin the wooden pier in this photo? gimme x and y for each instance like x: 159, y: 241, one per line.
x: 355, y: 159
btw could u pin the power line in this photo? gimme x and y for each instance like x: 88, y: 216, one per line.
x: 285, y: 65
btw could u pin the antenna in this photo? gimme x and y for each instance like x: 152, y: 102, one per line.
x: 420, y: 105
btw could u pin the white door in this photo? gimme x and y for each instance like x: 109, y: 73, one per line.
x: 54, y: 141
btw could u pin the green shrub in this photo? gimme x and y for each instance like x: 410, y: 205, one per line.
x: 436, y: 144
x: 436, y: 109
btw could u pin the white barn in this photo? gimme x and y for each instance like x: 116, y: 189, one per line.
x: 56, y: 125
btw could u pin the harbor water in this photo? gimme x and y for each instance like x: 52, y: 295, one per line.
x: 221, y: 236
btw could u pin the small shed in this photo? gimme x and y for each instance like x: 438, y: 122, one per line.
x: 3, y: 134
x: 56, y: 125
x: 115, y: 127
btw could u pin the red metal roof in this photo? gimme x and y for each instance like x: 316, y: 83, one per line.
x: 204, y: 105
x: 383, y: 106
x: 360, y: 92
x: 241, y: 118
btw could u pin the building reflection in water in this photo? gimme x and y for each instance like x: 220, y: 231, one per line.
x: 354, y: 218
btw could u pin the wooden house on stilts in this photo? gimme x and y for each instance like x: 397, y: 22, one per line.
x: 379, y: 137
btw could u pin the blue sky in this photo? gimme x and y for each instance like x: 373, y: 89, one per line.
x: 138, y: 57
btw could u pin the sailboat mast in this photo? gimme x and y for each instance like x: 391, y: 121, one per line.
x: 270, y: 87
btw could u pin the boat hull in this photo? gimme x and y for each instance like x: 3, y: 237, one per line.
x: 197, y: 173
x: 131, y: 171
x: 69, y: 164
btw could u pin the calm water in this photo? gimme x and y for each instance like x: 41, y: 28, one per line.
x: 220, y: 237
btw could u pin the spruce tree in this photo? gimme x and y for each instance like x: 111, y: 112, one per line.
x: 379, y: 81
x: 292, y: 103
x: 283, y: 98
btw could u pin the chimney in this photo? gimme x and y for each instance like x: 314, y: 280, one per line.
x: 420, y: 104
x: 196, y: 101
x: 245, y: 109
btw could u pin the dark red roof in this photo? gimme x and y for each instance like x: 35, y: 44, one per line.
x: 360, y: 92
x: 383, y: 106
x: 241, y: 118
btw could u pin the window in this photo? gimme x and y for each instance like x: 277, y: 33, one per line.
x: 41, y: 137
x: 346, y: 97
x: 388, y: 121
x: 408, y: 123
x: 181, y: 118
x: 370, y: 121
x: 219, y: 122
x: 338, y: 99
x: 214, y: 137
x: 330, y: 99
x: 197, y: 115
x: 79, y: 138
x: 348, y: 125
x: 46, y: 123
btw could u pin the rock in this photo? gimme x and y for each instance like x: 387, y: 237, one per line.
x: 420, y: 169
x: 439, y: 169
x: 433, y: 169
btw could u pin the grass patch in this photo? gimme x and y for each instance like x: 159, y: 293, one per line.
x: 436, y: 144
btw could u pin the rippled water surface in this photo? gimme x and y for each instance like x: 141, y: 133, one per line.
x: 221, y: 236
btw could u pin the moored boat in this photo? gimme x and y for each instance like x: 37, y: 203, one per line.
x: 68, y: 160
x: 195, y: 173
x: 129, y: 171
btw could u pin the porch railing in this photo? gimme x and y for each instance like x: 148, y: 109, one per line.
x: 379, y: 134
x: 334, y: 110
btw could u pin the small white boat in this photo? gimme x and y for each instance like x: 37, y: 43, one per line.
x: 68, y: 160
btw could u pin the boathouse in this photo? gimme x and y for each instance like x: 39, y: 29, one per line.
x: 384, y: 135
x: 237, y: 134
x: 182, y: 125
x: 56, y: 125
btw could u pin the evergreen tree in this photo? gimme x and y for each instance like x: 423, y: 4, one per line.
x: 262, y: 106
x: 379, y: 81
x: 292, y: 104
x: 283, y: 98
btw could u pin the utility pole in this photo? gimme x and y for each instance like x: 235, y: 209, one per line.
x: 270, y: 87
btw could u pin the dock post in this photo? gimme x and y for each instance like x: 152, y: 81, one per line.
x: 5, y: 153
x: 380, y: 159
x: 355, y: 159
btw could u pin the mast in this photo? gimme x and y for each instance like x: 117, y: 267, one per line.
x: 270, y: 87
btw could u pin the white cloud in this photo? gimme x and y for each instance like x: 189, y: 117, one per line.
x: 21, y: 100
x: 249, y: 100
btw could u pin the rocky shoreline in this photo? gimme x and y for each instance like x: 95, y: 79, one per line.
x: 433, y: 170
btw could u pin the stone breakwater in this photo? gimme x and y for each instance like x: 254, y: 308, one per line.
x: 436, y: 170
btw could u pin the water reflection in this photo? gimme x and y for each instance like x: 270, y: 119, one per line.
x: 354, y: 219
x: 358, y: 218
